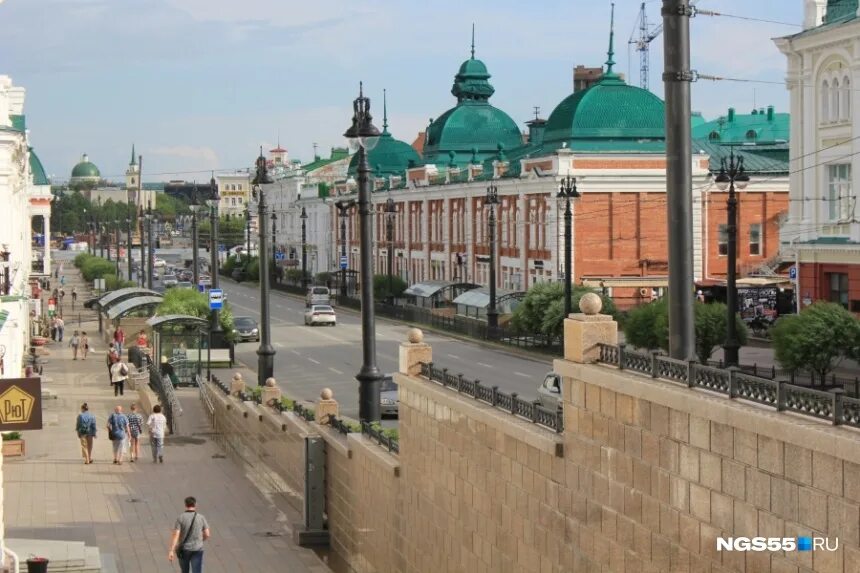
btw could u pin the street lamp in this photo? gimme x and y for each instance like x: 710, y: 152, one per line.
x: 726, y: 179
x: 567, y: 191
x: 195, y: 206
x: 492, y: 199
x: 343, y: 207
x: 150, y: 259
x: 212, y: 202
x: 363, y: 136
x: 266, y: 352
x: 248, y: 233
x: 274, y: 242
x: 128, y: 243
x: 304, y: 218
x: 91, y: 238
x: 101, y: 230
x: 390, y: 212
x: 116, y: 230
x: 106, y: 232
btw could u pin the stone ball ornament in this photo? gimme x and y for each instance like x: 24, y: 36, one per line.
x: 326, y: 394
x: 271, y: 383
x: 415, y: 335
x: 590, y: 303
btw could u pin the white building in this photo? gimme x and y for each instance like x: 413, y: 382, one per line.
x: 823, y: 228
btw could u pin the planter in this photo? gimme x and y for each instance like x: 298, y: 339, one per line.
x: 38, y: 341
x: 37, y: 565
x: 13, y: 448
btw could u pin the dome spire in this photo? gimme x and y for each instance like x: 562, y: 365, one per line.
x: 384, y: 110
x: 473, y: 40
x: 610, y: 61
x: 133, y: 156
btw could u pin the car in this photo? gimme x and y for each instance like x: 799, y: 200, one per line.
x: 246, y: 328
x: 184, y: 284
x: 169, y: 281
x: 320, y: 314
x: 185, y: 275
x: 549, y: 393
x: 389, y: 402
x: 318, y: 295
x: 159, y: 263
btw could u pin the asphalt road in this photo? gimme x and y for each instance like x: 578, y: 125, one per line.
x: 311, y: 358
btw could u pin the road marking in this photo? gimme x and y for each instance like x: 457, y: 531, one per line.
x: 484, y: 365
x: 521, y: 374
x: 279, y: 344
x: 454, y: 357
x: 335, y: 370
x: 296, y: 352
x: 314, y: 361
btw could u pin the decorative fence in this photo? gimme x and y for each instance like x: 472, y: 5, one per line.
x: 163, y: 386
x: 512, y: 403
x: 831, y: 405
x: 374, y: 432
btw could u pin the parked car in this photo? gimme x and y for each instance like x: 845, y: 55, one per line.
x: 318, y: 295
x: 320, y: 314
x: 169, y: 281
x: 389, y: 401
x: 238, y: 274
x: 159, y: 263
x: 186, y: 275
x: 184, y: 284
x: 246, y: 328
x: 549, y: 393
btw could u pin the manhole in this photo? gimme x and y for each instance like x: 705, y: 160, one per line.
x: 269, y: 534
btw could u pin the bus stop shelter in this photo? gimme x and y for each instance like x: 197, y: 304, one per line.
x: 179, y: 340
x: 435, y: 294
x: 473, y: 303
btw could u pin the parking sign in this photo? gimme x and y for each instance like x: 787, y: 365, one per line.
x: 792, y: 273
x: 216, y: 299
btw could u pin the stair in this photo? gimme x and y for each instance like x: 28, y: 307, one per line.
x: 63, y: 556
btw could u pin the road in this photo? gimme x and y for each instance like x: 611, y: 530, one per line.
x: 311, y: 358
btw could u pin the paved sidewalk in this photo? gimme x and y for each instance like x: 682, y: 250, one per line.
x: 129, y: 510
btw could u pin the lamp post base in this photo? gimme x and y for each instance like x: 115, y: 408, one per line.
x: 730, y: 354
x: 492, y: 324
x: 265, y: 363
x: 369, y: 386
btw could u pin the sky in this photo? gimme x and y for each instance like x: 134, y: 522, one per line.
x: 199, y: 85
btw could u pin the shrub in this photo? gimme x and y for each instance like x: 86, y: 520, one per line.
x: 9, y: 436
x: 817, y: 339
x: 381, y: 290
x: 542, y: 309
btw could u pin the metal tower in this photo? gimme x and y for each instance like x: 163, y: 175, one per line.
x: 642, y: 42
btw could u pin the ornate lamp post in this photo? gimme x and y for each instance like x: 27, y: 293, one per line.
x: 106, y: 233
x: 150, y: 259
x: 195, y: 206
x: 363, y: 136
x: 304, y: 218
x: 101, y: 232
x: 91, y: 242
x: 726, y: 179
x: 116, y: 230
x: 343, y: 207
x: 141, y: 220
x: 567, y: 191
x: 390, y: 212
x: 248, y: 232
x: 266, y: 352
x: 274, y: 242
x: 492, y: 199
x: 216, y: 331
x: 128, y: 244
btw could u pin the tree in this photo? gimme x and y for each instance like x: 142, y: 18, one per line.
x: 710, y: 326
x: 542, y: 309
x: 816, y: 339
x: 640, y: 328
x: 194, y: 303
x: 381, y: 289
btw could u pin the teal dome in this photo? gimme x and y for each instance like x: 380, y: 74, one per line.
x: 86, y: 169
x: 390, y: 156
x: 38, y: 170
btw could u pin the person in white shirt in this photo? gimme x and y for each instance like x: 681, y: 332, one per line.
x: 157, y: 425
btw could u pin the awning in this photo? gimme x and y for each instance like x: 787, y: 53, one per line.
x: 626, y: 282
x: 132, y: 304
x: 430, y: 288
x: 480, y: 297
x: 158, y: 322
x: 117, y: 296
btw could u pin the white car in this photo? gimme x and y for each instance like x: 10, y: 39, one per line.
x: 159, y: 263
x: 320, y: 314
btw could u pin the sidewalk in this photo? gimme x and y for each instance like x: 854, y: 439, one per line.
x: 128, y: 511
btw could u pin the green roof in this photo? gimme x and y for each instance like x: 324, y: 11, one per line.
x: 337, y: 153
x: 38, y: 170
x: 19, y: 122
x: 86, y: 168
x: 757, y: 126
x: 840, y: 10
x: 763, y: 158
x: 390, y: 156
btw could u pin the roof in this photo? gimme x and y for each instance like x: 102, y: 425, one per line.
x: 86, y: 168
x: 429, y: 288
x: 38, y: 170
x: 337, y: 153
x: 770, y: 158
x: 131, y: 305
x: 19, y: 122
x: 157, y: 322
x: 480, y: 297
x: 114, y: 297
x: 390, y: 156
x: 840, y: 11
x: 758, y: 125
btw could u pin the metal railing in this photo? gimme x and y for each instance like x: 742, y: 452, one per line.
x: 373, y: 432
x: 163, y: 387
x: 831, y: 405
x: 511, y: 403
x: 205, y: 397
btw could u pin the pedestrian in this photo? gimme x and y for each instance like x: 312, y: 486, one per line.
x: 63, y: 280
x: 117, y: 433
x: 74, y: 297
x: 135, y: 424
x: 85, y: 426
x: 61, y: 326
x: 142, y: 340
x: 118, y: 375
x: 85, y: 345
x: 111, y: 358
x: 75, y: 343
x: 157, y: 425
x: 54, y: 328
x: 119, y: 339
x: 189, y: 533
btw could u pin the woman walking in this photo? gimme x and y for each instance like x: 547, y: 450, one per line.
x: 135, y: 426
x: 118, y: 431
x: 85, y: 345
x: 157, y: 425
x: 118, y: 376
x: 75, y: 342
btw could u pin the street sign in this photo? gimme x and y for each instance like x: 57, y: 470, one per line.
x: 280, y: 256
x: 201, y: 287
x: 344, y: 262
x: 792, y: 273
x: 216, y: 299
x: 20, y: 404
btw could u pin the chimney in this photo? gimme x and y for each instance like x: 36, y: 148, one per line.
x: 536, y: 129
x: 770, y: 113
x: 731, y: 114
x: 813, y: 13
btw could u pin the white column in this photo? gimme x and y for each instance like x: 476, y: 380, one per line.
x: 47, y: 259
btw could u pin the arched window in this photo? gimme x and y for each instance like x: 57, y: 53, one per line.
x: 824, y: 96
x: 834, y: 100
x: 751, y: 135
x: 845, y: 107
x: 714, y: 136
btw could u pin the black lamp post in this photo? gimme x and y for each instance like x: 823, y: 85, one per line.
x: 213, y: 201
x: 106, y: 233
x: 363, y: 135
x: 567, y: 191
x: 266, y: 352
x: 390, y: 212
x: 116, y: 230
x: 195, y: 264
x: 304, y: 218
x: 128, y: 245
x: 141, y: 220
x: 274, y: 243
x: 248, y: 233
x: 91, y: 242
x: 343, y: 208
x: 726, y: 179
x: 150, y: 259
x: 101, y: 232
x: 492, y: 199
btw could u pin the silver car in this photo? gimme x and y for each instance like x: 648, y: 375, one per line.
x: 389, y: 403
x: 320, y: 314
x: 549, y: 393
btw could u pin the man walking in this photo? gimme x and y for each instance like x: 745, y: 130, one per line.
x: 157, y: 425
x: 119, y: 339
x: 189, y: 533
x: 118, y: 430
x: 85, y: 426
x: 74, y: 297
x: 61, y: 326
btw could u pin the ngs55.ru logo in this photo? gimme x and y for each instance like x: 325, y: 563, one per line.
x: 777, y: 544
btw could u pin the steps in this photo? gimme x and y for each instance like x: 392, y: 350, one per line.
x: 63, y: 556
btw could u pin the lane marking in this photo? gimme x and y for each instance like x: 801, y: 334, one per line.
x: 335, y: 370
x: 314, y: 361
x: 294, y: 351
x: 521, y: 374
x: 454, y: 357
x: 279, y: 344
x: 484, y: 365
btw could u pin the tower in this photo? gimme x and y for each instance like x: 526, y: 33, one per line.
x: 131, y: 179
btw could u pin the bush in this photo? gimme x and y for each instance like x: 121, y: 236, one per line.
x: 252, y: 269
x: 229, y: 264
x: 194, y: 303
x: 542, y: 309
x: 112, y: 282
x: 96, y: 268
x: 381, y: 289
x: 8, y: 436
x: 81, y: 258
x: 817, y: 339
x: 640, y: 327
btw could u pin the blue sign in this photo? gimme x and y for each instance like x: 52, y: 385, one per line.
x: 216, y: 299
x: 280, y: 256
x: 792, y: 273
x: 344, y: 262
x: 201, y: 287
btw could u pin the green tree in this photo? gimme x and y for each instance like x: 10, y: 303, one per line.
x: 640, y: 328
x: 710, y: 325
x: 542, y: 309
x: 193, y: 303
x: 231, y: 232
x: 381, y: 285
x: 817, y: 339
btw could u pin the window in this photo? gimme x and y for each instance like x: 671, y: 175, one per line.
x: 845, y: 107
x: 723, y: 240
x: 834, y: 101
x: 714, y: 136
x: 839, y: 191
x: 755, y: 239
x: 824, y: 96
x: 838, y: 288
x: 751, y: 134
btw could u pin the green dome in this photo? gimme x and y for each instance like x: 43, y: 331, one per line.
x: 38, y: 170
x: 389, y: 157
x: 86, y: 169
